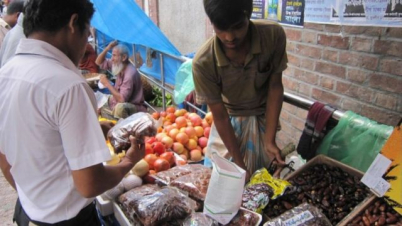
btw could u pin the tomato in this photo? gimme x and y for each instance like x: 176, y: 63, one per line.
x: 148, y: 149
x: 161, y: 165
x: 158, y: 148
x: 148, y: 178
x: 150, y: 140
x: 168, y: 156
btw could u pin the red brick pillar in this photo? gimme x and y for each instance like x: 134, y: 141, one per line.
x: 140, y: 3
x: 153, y: 11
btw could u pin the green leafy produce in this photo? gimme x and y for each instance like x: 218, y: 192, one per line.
x: 157, y: 101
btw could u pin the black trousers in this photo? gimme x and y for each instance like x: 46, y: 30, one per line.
x: 86, y: 217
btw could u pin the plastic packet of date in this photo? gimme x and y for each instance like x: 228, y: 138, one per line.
x: 304, y: 214
x: 166, y: 205
x: 195, y: 183
x: 126, y: 201
x: 245, y: 217
x: 263, y: 176
x: 256, y: 196
x: 167, y: 176
x: 138, y: 125
x: 197, y: 219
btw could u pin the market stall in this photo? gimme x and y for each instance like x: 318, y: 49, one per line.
x: 174, y: 186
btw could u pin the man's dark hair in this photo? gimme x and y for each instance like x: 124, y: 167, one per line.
x: 225, y: 13
x: 52, y: 15
x: 15, y: 7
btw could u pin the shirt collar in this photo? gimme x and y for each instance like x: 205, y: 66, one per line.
x: 221, y: 58
x: 20, y: 19
x: 37, y: 47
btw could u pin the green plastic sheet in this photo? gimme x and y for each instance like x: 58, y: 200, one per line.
x: 355, y: 141
x: 184, y: 82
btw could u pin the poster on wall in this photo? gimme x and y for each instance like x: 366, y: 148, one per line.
x: 292, y: 12
x: 289, y: 12
x: 258, y: 9
x: 355, y: 12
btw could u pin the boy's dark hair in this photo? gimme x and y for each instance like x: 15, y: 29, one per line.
x: 52, y: 15
x: 225, y: 13
x: 15, y: 7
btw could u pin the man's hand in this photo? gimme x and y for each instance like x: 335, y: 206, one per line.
x: 103, y: 79
x: 274, y: 154
x: 241, y: 164
x: 136, y: 152
x: 106, y: 126
x: 112, y: 44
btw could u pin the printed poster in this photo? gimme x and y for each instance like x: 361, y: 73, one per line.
x: 355, y: 12
x: 258, y: 9
x: 292, y: 12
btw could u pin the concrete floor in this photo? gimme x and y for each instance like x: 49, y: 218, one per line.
x: 8, y: 196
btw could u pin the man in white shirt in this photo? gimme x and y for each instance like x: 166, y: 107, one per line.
x: 51, y: 144
x: 11, y: 40
x: 9, y: 20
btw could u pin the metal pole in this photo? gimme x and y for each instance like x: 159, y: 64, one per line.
x: 195, y: 107
x: 163, y: 82
x: 305, y: 104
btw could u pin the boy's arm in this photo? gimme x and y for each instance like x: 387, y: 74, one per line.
x: 226, y: 132
x: 272, y: 112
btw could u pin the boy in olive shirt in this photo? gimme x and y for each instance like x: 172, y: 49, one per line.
x: 238, y: 74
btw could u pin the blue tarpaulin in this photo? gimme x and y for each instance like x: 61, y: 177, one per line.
x: 124, y: 20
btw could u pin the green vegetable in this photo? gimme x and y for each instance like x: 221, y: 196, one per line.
x: 157, y: 101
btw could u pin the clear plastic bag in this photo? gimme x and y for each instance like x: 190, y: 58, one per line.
x: 256, y: 197
x: 354, y: 136
x: 184, y: 83
x: 166, y: 177
x: 163, y: 206
x: 196, y: 183
x: 245, y: 218
x: 198, y: 219
x: 304, y: 214
x: 138, y: 125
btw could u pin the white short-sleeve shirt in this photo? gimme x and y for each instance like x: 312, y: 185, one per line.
x: 48, y: 127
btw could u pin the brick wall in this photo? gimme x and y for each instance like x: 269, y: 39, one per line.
x: 350, y: 67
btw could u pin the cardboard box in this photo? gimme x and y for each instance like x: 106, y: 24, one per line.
x: 105, y: 207
x: 357, y: 211
x: 322, y: 159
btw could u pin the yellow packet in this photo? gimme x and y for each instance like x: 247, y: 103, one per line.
x: 263, y: 176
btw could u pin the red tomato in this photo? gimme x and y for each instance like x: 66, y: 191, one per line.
x: 150, y: 159
x: 150, y: 140
x: 158, y: 148
x: 148, y: 179
x: 161, y: 165
x: 148, y: 149
x: 168, y: 156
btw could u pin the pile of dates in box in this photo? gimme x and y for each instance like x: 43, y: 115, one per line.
x: 378, y: 214
x: 333, y: 191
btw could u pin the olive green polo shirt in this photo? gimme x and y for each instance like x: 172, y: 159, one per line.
x: 242, y: 89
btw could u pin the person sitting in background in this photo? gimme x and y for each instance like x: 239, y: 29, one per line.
x: 127, y: 95
x: 87, y: 62
x: 9, y: 20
